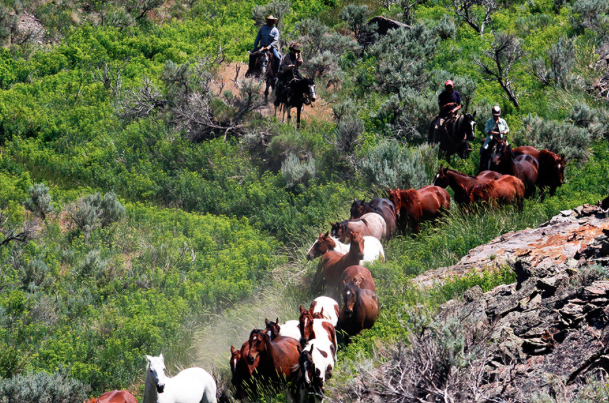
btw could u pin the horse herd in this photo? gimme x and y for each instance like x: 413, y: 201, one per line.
x: 300, y: 355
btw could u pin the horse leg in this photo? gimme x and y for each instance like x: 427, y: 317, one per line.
x: 298, y: 109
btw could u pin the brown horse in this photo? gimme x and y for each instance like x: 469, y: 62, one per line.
x: 360, y: 276
x: 332, y: 264
x: 311, y: 328
x: 415, y: 206
x: 278, y: 358
x: 114, y: 396
x: 461, y: 183
x: 380, y: 206
x: 370, y: 224
x: 525, y: 167
x: 506, y: 190
x: 242, y: 372
x: 360, y: 310
x: 551, y: 168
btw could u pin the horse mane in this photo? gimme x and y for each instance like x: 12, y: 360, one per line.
x: 461, y: 173
x: 409, y: 195
x: 548, y: 157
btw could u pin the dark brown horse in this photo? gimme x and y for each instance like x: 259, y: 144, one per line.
x: 242, y: 372
x: 360, y: 276
x: 415, y: 206
x: 454, y: 137
x: 277, y: 358
x: 299, y: 92
x: 263, y: 69
x: 311, y: 328
x: 461, y: 183
x: 525, y: 167
x: 360, y: 310
x: 384, y: 207
x: 332, y: 264
x: 506, y: 190
x: 551, y: 168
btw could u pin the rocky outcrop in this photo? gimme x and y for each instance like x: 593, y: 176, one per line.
x: 555, y: 242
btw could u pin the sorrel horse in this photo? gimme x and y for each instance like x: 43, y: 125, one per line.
x: 551, y: 168
x: 332, y: 264
x: 299, y: 92
x: 506, y: 190
x: 278, y: 358
x: 461, y: 183
x: 454, y: 139
x: 360, y: 310
x: 311, y: 328
x: 242, y: 372
x: 414, y: 206
x: 316, y: 364
x: 525, y: 167
x: 192, y: 385
x: 373, y: 248
x: 287, y: 329
x: 359, y: 276
x: 325, y: 308
x: 114, y: 396
x: 263, y: 69
x: 370, y: 224
x: 377, y: 205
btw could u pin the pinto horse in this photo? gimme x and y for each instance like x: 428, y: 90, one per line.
x: 287, y: 329
x: 359, y: 276
x: 360, y: 310
x: 525, y: 167
x: 384, y: 207
x: 415, y: 206
x: 461, y: 183
x: 506, y: 190
x: 263, y: 69
x: 278, y: 357
x: 299, y: 92
x: 551, y: 168
x: 370, y: 224
x: 311, y: 328
x: 242, y: 372
x: 332, y: 264
x: 454, y: 139
x: 325, y: 308
x: 114, y: 396
x: 373, y: 248
x: 316, y: 364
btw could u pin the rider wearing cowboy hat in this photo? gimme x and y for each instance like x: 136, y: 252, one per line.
x: 288, y: 69
x: 268, y: 38
x: 495, y: 127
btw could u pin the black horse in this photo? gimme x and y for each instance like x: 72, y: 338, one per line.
x: 263, y: 69
x: 486, y: 155
x: 299, y: 92
x: 454, y: 138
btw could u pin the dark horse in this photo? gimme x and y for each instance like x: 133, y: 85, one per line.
x: 263, y: 69
x: 384, y: 207
x: 453, y: 139
x: 551, y: 168
x: 525, y: 167
x: 299, y: 92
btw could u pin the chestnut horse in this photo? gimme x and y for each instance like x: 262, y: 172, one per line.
x: 242, y: 372
x: 325, y: 308
x: 506, y: 190
x: 373, y: 248
x: 525, y: 167
x: 551, y: 168
x: 278, y: 358
x: 114, y: 396
x: 360, y: 276
x: 332, y: 264
x: 360, y: 310
x: 311, y: 328
x: 377, y: 205
x: 415, y: 206
x: 370, y: 224
x: 461, y: 183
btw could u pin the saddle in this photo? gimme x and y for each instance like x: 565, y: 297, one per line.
x: 448, y: 130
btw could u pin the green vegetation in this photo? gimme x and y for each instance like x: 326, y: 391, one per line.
x: 141, y: 201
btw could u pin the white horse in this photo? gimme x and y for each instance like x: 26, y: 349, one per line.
x: 328, y: 307
x: 373, y: 249
x: 192, y: 385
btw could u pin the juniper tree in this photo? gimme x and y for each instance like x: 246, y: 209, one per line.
x: 356, y: 18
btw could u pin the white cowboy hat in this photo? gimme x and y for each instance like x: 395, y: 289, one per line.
x: 270, y: 17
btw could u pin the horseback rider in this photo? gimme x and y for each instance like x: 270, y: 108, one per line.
x: 288, y: 70
x: 268, y: 38
x: 449, y: 102
x: 495, y: 128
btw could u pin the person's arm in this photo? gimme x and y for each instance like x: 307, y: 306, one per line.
x: 507, y: 129
x: 457, y: 104
x: 274, y: 35
x: 298, y: 59
x: 285, y: 64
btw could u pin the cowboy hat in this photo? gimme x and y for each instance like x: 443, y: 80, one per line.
x: 295, y: 46
x: 271, y: 18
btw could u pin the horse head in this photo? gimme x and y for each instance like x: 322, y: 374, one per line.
x: 272, y: 328
x: 310, y: 95
x: 441, y: 178
x: 396, y: 199
x: 356, y: 242
x: 358, y: 208
x: 257, y: 344
x: 317, y: 315
x: 502, y: 152
x: 470, y: 125
x: 306, y: 324
x: 350, y: 295
x: 235, y: 356
x: 307, y: 367
x: 554, y: 166
x: 323, y: 244
x: 156, y: 372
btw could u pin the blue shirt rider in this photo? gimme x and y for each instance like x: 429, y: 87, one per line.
x: 268, y: 37
x: 495, y: 127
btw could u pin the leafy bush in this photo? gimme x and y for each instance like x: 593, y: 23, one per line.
x: 42, y: 387
x: 94, y: 211
x: 297, y: 172
x: 40, y: 201
x: 561, y: 60
x: 34, y: 274
x: 348, y: 134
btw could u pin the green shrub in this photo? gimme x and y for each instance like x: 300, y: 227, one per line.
x: 40, y: 201
x: 42, y: 387
x: 297, y: 172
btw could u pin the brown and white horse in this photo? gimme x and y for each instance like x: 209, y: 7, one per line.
x: 370, y: 224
